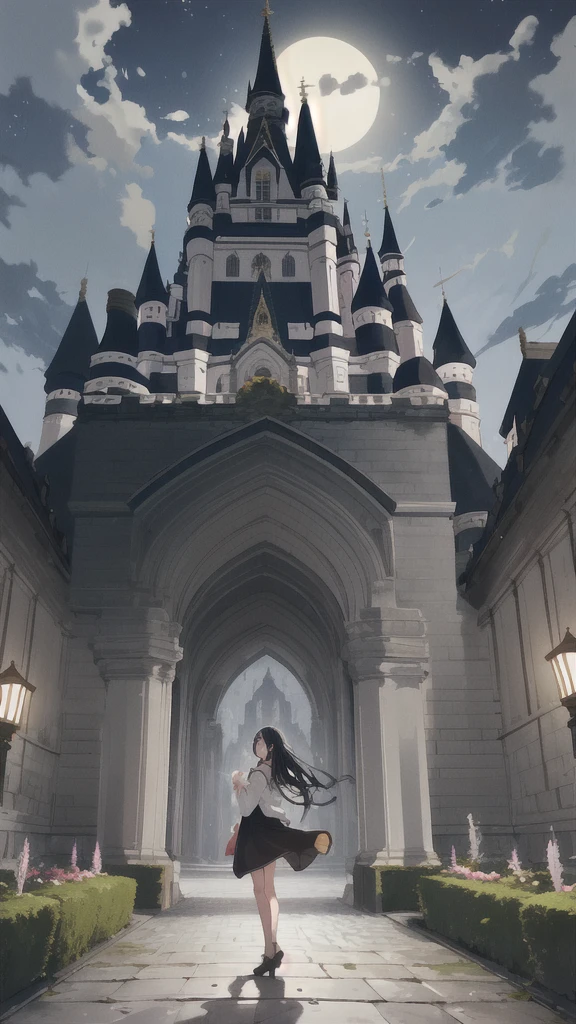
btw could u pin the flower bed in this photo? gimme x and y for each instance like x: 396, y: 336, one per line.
x: 43, y: 931
x: 531, y: 935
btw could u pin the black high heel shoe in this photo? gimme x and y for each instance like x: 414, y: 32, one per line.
x: 268, y: 966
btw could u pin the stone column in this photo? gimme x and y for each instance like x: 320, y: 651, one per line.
x: 387, y: 654
x: 136, y: 651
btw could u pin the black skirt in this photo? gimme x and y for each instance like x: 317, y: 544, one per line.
x: 262, y: 840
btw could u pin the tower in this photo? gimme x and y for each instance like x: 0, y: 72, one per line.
x: 372, y: 319
x: 67, y: 373
x: 405, y: 317
x: 152, y: 305
x: 455, y: 365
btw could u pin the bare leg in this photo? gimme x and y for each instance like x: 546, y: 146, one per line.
x: 272, y: 898
x: 263, y: 904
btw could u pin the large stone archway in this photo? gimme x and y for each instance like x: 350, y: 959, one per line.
x: 261, y: 539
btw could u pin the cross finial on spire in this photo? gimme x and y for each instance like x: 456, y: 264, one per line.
x: 266, y: 11
x: 82, y: 292
x: 203, y: 143
x: 152, y: 236
x: 441, y: 283
x: 303, y: 93
x: 366, y: 225
x: 384, y: 188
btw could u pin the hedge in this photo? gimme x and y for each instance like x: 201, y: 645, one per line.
x: 531, y: 935
x: 150, y: 880
x: 480, y: 916
x: 549, y: 923
x: 27, y: 927
x: 383, y: 889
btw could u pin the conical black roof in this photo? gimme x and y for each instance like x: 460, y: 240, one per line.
x: 402, y: 304
x: 449, y: 345
x: 267, y: 78
x: 370, y: 290
x: 224, y: 169
x: 346, y: 216
x: 151, y: 287
x: 70, y: 366
x: 332, y: 179
x: 307, y: 162
x: 203, y: 190
x: 389, y: 245
x: 417, y: 370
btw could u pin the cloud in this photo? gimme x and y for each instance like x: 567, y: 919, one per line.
x: 328, y: 84
x: 384, y: 82
x: 449, y: 174
x: 507, y: 249
x: 176, y: 115
x: 531, y: 164
x: 96, y: 26
x: 116, y: 127
x: 523, y: 35
x: 556, y: 90
x: 544, y: 238
x: 415, y: 56
x: 353, y: 83
x: 433, y: 203
x: 141, y: 72
x: 551, y: 302
x: 35, y: 315
x: 138, y: 214
x: 391, y: 59
x: 6, y: 202
x: 237, y: 119
x: 368, y: 165
x: 34, y: 133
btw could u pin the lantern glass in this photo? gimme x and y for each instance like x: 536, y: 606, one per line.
x: 12, y: 697
x: 564, y: 666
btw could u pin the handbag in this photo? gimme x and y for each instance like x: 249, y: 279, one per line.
x: 231, y: 844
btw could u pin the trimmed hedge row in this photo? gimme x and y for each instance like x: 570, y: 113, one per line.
x: 381, y: 889
x: 43, y: 931
x: 532, y: 935
x: 27, y: 928
x: 151, y: 883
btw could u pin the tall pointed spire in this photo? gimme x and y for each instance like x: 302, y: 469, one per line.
x: 389, y: 246
x: 307, y: 162
x: 203, y: 190
x: 151, y: 287
x: 225, y: 168
x: 70, y: 366
x: 370, y: 291
x: 332, y: 180
x: 449, y: 345
x: 267, y: 79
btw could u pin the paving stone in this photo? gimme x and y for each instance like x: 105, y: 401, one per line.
x: 43, y: 1012
x: 163, y: 971
x: 152, y: 988
x: 507, y: 1013
x: 81, y: 992
x: 471, y: 991
x: 413, y: 1013
x: 334, y: 956
x: 217, y: 1011
x: 289, y: 1011
x: 405, y: 991
x: 118, y: 973
x: 392, y: 971
x: 467, y: 971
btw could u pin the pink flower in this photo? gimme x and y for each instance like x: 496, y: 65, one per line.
x: 23, y: 861
x: 568, y: 888
x: 74, y: 856
x: 97, y: 860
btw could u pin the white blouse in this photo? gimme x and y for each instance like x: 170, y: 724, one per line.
x: 258, y: 789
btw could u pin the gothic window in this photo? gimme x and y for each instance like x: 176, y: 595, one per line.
x: 262, y: 371
x: 232, y: 265
x: 263, y: 186
x: 219, y: 386
x: 263, y: 213
x: 288, y: 266
x: 261, y: 263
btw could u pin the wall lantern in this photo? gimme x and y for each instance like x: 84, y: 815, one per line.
x: 563, y: 660
x: 13, y: 689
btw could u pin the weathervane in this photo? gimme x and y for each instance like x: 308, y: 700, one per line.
x: 303, y: 87
x: 266, y: 12
x: 384, y: 188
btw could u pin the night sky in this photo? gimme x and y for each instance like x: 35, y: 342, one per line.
x: 103, y: 104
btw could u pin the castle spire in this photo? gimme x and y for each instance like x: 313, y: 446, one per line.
x: 70, y: 366
x: 203, y: 190
x: 332, y: 180
x: 151, y: 287
x: 307, y: 163
x: 267, y: 79
x: 449, y: 345
x: 389, y: 246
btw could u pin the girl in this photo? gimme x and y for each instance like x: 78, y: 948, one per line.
x: 264, y: 833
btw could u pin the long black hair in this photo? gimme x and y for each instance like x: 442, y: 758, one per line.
x: 289, y: 772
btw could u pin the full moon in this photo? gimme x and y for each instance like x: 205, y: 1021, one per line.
x: 342, y: 90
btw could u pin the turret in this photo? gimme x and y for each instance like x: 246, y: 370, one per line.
x: 332, y: 180
x: 455, y: 365
x: 152, y: 306
x: 372, y: 319
x: 199, y: 249
x: 224, y: 176
x: 348, y: 272
x: 417, y: 376
x: 406, y: 319
x: 114, y: 367
x: 67, y: 373
x: 308, y: 171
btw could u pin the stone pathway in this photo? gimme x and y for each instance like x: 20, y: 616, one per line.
x: 194, y: 963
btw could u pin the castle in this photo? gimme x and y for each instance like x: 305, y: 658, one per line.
x: 258, y: 458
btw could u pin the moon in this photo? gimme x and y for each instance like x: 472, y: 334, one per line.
x: 348, y: 108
